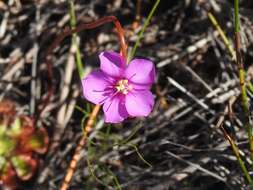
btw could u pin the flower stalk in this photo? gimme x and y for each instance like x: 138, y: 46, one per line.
x: 67, y: 32
x: 88, y: 126
x: 81, y: 144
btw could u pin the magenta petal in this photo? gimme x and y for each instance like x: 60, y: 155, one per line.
x: 96, y: 87
x: 137, y: 87
x: 115, y: 110
x: 141, y: 71
x: 112, y: 63
x: 139, y: 103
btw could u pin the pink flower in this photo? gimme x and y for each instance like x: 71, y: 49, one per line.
x: 124, y: 90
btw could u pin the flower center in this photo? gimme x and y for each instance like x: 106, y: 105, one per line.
x: 123, y: 86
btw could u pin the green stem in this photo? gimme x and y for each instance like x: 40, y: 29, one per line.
x: 140, y: 35
x: 238, y: 157
x: 241, y: 163
x: 245, y: 101
x: 236, y: 12
x: 250, y: 87
x: 79, y: 63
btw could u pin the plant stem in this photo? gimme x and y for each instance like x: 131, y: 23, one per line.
x: 241, y: 73
x: 82, y: 142
x: 79, y: 63
x: 140, y: 35
x: 238, y: 157
x: 88, y: 126
x: 236, y: 15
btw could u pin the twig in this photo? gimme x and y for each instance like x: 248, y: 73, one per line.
x: 193, y: 165
x: 34, y: 65
x: 190, y: 49
x: 136, y: 23
x: 62, y: 119
x: 193, y: 97
x: 222, y: 35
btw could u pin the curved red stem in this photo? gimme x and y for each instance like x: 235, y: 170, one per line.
x: 68, y: 32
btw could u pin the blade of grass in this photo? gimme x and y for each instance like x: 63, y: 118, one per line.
x: 140, y: 35
x: 222, y: 35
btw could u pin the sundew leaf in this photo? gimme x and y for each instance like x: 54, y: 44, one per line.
x: 38, y: 142
x: 2, y: 163
x: 21, y: 166
x: 3, y: 128
x: 6, y: 145
x: 24, y: 166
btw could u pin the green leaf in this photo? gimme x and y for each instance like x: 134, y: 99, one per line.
x: 6, y: 145
x: 3, y: 128
x: 23, y: 166
x: 2, y: 163
x: 37, y: 141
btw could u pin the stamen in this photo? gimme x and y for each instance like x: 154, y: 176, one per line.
x: 108, y: 97
x: 123, y: 87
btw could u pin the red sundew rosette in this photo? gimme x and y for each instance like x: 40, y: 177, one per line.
x: 22, y: 161
x: 31, y: 142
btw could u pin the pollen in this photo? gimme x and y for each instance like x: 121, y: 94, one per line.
x: 123, y: 87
